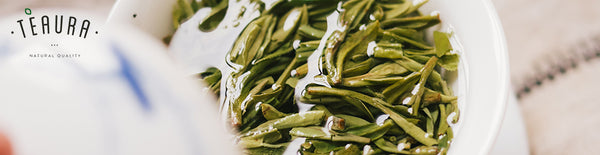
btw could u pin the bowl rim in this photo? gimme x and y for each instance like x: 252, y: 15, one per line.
x: 497, y: 57
x: 504, y: 69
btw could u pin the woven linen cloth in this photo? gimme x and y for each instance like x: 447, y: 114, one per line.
x: 544, y: 36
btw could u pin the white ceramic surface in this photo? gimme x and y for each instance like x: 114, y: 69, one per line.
x: 152, y: 16
x: 512, y: 138
x: 484, y: 62
x: 121, y: 95
x: 482, y: 84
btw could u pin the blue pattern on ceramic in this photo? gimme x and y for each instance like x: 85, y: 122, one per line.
x: 127, y: 72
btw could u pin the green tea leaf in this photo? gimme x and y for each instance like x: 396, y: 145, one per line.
x: 442, y: 43
x: 449, y: 62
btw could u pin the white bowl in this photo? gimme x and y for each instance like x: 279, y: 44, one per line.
x: 483, y: 77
